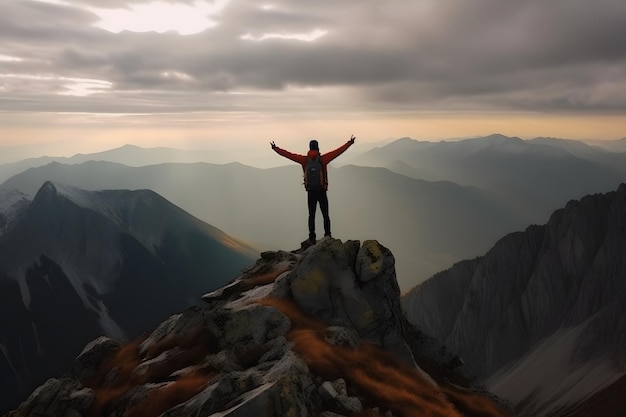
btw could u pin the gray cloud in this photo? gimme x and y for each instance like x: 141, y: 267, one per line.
x: 559, y: 55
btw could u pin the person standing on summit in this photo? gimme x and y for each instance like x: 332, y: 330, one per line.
x: 314, y: 168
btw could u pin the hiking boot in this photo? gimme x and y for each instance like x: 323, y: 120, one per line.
x: 307, y: 244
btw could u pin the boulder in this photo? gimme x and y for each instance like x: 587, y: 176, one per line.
x: 92, y: 356
x: 353, y: 286
x: 55, y: 397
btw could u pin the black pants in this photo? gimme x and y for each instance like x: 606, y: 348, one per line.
x: 314, y: 197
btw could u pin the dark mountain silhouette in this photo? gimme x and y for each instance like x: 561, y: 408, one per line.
x: 303, y: 333
x: 76, y: 264
x: 428, y: 225
x: 531, y: 178
x: 542, y: 314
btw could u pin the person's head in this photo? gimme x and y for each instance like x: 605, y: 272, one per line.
x: 313, y: 145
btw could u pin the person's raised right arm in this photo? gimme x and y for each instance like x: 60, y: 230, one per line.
x: 301, y: 159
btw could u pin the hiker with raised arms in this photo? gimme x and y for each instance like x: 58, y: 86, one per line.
x: 314, y: 168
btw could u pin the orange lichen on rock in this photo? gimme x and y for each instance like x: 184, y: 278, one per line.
x: 172, y: 394
x: 378, y: 377
x: 299, y: 319
x: 471, y: 403
x: 124, y: 362
x: 123, y: 371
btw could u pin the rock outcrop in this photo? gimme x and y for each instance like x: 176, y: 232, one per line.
x: 318, y: 332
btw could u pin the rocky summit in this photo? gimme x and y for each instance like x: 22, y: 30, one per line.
x: 315, y: 332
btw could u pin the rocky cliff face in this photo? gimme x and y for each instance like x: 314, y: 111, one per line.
x: 542, y: 314
x: 318, y: 332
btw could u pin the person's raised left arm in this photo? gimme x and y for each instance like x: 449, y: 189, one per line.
x: 333, y: 154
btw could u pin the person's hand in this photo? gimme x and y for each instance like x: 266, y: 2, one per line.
x: 352, y: 138
x: 273, y: 144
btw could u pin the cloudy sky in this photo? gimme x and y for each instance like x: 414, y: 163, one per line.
x: 88, y: 75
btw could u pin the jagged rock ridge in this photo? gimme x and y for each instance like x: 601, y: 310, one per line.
x: 542, y: 313
x: 312, y: 333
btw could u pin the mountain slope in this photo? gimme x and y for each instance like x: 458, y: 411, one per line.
x: 542, y: 313
x: 11, y: 203
x: 618, y: 145
x: 305, y: 333
x: 428, y: 225
x: 531, y: 178
x: 76, y: 264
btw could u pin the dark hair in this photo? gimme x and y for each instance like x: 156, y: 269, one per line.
x: 313, y: 145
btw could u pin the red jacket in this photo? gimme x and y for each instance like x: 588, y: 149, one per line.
x: 325, y: 158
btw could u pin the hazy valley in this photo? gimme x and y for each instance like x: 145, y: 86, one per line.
x: 429, y: 225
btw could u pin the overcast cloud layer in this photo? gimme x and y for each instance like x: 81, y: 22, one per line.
x: 394, y: 55
x: 88, y: 75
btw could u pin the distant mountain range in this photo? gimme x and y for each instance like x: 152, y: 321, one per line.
x: 531, y: 178
x: 442, y: 202
x: 130, y: 155
x: 77, y: 264
x: 136, y: 156
x: 542, y: 315
x: 429, y: 225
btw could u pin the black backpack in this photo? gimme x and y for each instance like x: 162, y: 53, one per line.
x: 313, y: 174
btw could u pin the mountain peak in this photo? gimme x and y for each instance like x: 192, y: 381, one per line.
x: 46, y: 192
x: 126, y: 147
x: 48, y: 186
x: 50, y: 191
x: 299, y: 333
x: 500, y: 139
x: 405, y: 139
x: 130, y: 146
